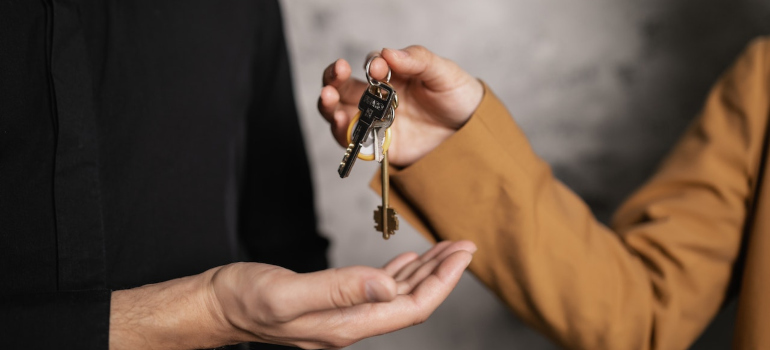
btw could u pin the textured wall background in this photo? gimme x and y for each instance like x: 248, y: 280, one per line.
x: 603, y: 88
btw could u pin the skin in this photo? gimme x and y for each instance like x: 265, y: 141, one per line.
x: 436, y: 98
x: 264, y: 303
x: 332, y: 308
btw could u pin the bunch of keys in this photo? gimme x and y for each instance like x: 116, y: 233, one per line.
x: 369, y: 139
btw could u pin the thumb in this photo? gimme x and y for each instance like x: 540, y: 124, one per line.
x: 337, y: 288
x: 419, y: 63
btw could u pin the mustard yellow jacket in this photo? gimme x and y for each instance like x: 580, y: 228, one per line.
x: 659, y: 274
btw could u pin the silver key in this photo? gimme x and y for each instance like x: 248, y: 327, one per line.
x: 378, y: 134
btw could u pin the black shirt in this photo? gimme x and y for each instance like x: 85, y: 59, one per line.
x: 141, y: 141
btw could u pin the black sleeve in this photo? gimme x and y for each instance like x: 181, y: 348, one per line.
x: 60, y: 320
x: 277, y: 217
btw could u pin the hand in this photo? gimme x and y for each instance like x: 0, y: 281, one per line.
x: 257, y: 302
x: 436, y: 98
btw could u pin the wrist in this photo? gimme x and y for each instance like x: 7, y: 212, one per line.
x: 223, y: 301
x: 178, y: 314
x: 471, y: 99
x: 424, y: 140
x: 222, y: 329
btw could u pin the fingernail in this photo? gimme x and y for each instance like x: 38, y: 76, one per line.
x: 376, y: 292
x: 474, y: 249
x: 400, y: 53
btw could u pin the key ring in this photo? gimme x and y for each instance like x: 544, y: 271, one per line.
x: 367, y: 149
x: 372, y: 81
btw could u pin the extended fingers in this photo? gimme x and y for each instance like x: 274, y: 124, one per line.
x: 408, y: 269
x: 407, y: 283
x: 395, y: 265
x: 340, y: 328
x: 429, y: 294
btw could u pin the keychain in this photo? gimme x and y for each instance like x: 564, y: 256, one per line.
x: 369, y: 136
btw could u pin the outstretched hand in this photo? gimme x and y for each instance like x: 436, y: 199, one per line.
x: 337, y: 307
x: 436, y: 98
x: 246, y: 302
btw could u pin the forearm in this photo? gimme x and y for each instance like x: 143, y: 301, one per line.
x: 178, y: 314
x: 656, y: 284
x: 253, y: 302
x: 541, y: 252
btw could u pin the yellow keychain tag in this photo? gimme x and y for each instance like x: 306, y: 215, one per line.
x: 367, y: 149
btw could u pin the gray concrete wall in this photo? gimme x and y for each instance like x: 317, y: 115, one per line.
x: 602, y: 88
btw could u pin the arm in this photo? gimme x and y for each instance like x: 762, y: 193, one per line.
x: 655, y: 279
x: 257, y: 302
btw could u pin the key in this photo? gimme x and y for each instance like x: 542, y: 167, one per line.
x: 378, y: 134
x: 384, y: 216
x: 373, y: 108
x: 381, y: 127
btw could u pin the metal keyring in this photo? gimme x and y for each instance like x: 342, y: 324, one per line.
x: 372, y: 81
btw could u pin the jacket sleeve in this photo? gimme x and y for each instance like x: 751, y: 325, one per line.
x: 653, y: 280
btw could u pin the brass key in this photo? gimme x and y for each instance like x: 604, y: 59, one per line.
x: 384, y: 216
